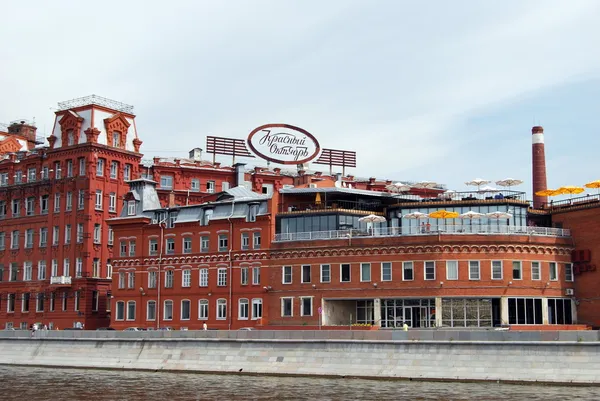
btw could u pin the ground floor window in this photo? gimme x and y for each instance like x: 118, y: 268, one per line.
x: 525, y: 311
x: 469, y: 312
x: 306, y: 306
x: 413, y: 312
x: 120, y: 310
x: 257, y: 308
x: 559, y: 311
x: 221, y: 309
x: 365, y: 312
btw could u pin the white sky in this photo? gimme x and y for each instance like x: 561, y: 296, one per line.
x: 437, y: 90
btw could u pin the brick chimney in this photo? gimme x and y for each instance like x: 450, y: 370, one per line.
x: 171, y: 199
x: 538, y: 166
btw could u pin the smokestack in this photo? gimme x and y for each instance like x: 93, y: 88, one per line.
x: 538, y: 166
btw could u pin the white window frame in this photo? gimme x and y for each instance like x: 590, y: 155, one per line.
x: 112, y: 202
x: 131, y: 208
x: 383, y: 267
x: 539, y: 270
x: 129, y: 318
x: 148, y: 318
x: 405, y: 265
x: 349, y: 271
x: 425, y: 267
x: 520, y: 262
x: 255, y: 275
x: 257, y: 301
x: 222, y: 277
x: 302, y: 274
x: 203, y: 280
x: 189, y: 309
x: 283, y: 274
x: 501, y: 269
x: 186, y: 278
x: 165, y: 302
x: 98, y: 204
x: 283, y: 299
x: 478, y: 270
x: 302, y: 311
x: 552, y: 274
x: 243, y: 309
x: 221, y: 307
x: 322, y: 269
x: 569, y: 274
x: 203, y: 309
x: 362, y: 276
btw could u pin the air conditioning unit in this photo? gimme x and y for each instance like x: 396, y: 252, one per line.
x: 312, y: 185
x: 569, y: 291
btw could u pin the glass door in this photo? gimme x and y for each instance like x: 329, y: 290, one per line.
x: 408, y: 316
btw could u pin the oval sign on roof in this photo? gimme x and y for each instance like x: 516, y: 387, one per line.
x: 284, y: 144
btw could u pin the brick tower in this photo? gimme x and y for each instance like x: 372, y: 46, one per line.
x: 538, y: 166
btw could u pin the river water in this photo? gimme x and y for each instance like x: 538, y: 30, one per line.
x: 22, y: 383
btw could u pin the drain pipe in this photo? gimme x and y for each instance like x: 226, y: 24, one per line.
x: 230, y: 273
x: 158, y: 284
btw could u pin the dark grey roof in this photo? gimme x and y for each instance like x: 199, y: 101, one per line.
x: 351, y: 191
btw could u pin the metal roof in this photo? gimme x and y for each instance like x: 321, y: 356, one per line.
x: 351, y: 191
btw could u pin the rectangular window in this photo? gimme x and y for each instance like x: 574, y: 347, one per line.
x: 127, y: 172
x: 186, y: 278
x: 166, y: 182
x: 81, y: 199
x: 221, y: 277
x: 203, y: 309
x: 29, y: 238
x: 257, y: 308
x: 16, y: 207
x: 525, y: 311
x: 54, y: 272
x: 170, y: 246
x: 408, y: 271
x: 31, y: 175
x: 100, y: 168
x: 243, y: 309
x: 114, y: 168
x: 474, y: 273
x: 569, y: 272
x: 386, y: 271
x: 245, y: 241
x: 25, y: 302
x: 151, y: 310
x: 204, y: 243
x: 429, y: 268
x: 55, y: 235
x: 30, y: 206
x: 325, y: 273
x: 56, y: 203
x: 64, y: 301
x: 130, y: 279
x: 57, y: 171
x: 187, y: 245
x: 39, y: 304
x: 79, y: 233
x: 131, y: 208
x: 168, y: 310
x: 365, y: 272
x: 2, y: 240
x: 255, y: 275
x: 14, y: 239
x: 69, y: 168
x: 122, y: 248
x: 111, y: 236
x: 98, y: 204
x: 210, y: 187
x: 69, y: 202
x: 221, y: 309
x: 223, y: 242
x: 97, y: 233
x: 131, y: 248
x: 18, y: 177
x: 256, y: 241
x: 44, y: 201
x: 2, y: 209
x: 195, y: 185
x: 287, y: 274
x: 68, y: 234
x: 345, y: 275
x: 112, y: 202
x: 307, y: 306
x: 287, y: 307
x: 553, y: 267
x: 517, y: 270
x: 496, y: 270
x: 535, y: 271
x: 41, y: 270
x: 130, y: 310
x: 152, y: 275
x: 82, y: 166
x: 66, y: 267
x: 185, y: 309
x: 305, y: 274
x: 243, y: 275
x: 121, y: 280
x: 45, y: 173
x: 27, y: 271
x: 153, y: 247
x: 11, y: 303
x: 204, y: 277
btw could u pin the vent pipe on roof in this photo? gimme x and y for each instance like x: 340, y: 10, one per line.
x: 240, y: 174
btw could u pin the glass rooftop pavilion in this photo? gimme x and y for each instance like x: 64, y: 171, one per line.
x: 332, y: 212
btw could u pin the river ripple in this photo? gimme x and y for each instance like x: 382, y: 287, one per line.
x: 20, y: 383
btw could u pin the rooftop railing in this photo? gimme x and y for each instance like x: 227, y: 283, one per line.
x: 425, y: 230
x: 369, y: 206
x: 466, y: 196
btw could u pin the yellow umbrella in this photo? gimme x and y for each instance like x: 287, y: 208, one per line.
x: 318, y: 198
x: 548, y: 192
x: 570, y: 190
x: 443, y: 214
x: 594, y: 184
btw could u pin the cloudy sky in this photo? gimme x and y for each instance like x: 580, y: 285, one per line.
x: 436, y: 90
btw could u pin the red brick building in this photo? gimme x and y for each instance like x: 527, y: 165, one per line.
x: 54, y: 200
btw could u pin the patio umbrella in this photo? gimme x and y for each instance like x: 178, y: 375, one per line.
x: 548, y: 192
x: 470, y: 215
x: 398, y: 187
x: 443, y: 214
x: 487, y: 188
x: 426, y: 185
x: 594, y: 184
x: 569, y: 189
x: 372, y: 218
x: 477, y: 182
x: 498, y: 215
x: 447, y: 195
x: 509, y: 182
x: 416, y: 215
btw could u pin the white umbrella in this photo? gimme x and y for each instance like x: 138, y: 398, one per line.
x: 499, y: 215
x: 471, y: 215
x: 446, y: 195
x: 398, y: 187
x: 509, y: 182
x: 477, y: 182
x: 372, y: 219
x: 487, y: 188
x: 426, y: 185
x: 416, y: 215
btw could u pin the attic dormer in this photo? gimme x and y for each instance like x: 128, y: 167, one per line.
x: 70, y: 128
x: 116, y: 127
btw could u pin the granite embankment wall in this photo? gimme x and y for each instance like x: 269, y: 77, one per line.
x: 551, y: 357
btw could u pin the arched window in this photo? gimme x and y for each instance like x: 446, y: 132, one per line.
x: 130, y: 310
x: 120, y: 310
x: 186, y: 307
x: 168, y: 310
x: 257, y: 308
x: 243, y: 309
x: 151, y: 310
x: 221, y: 309
x: 203, y: 309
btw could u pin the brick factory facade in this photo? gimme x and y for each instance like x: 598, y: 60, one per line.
x: 179, y: 242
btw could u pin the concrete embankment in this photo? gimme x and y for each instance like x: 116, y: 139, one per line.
x: 550, y: 357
